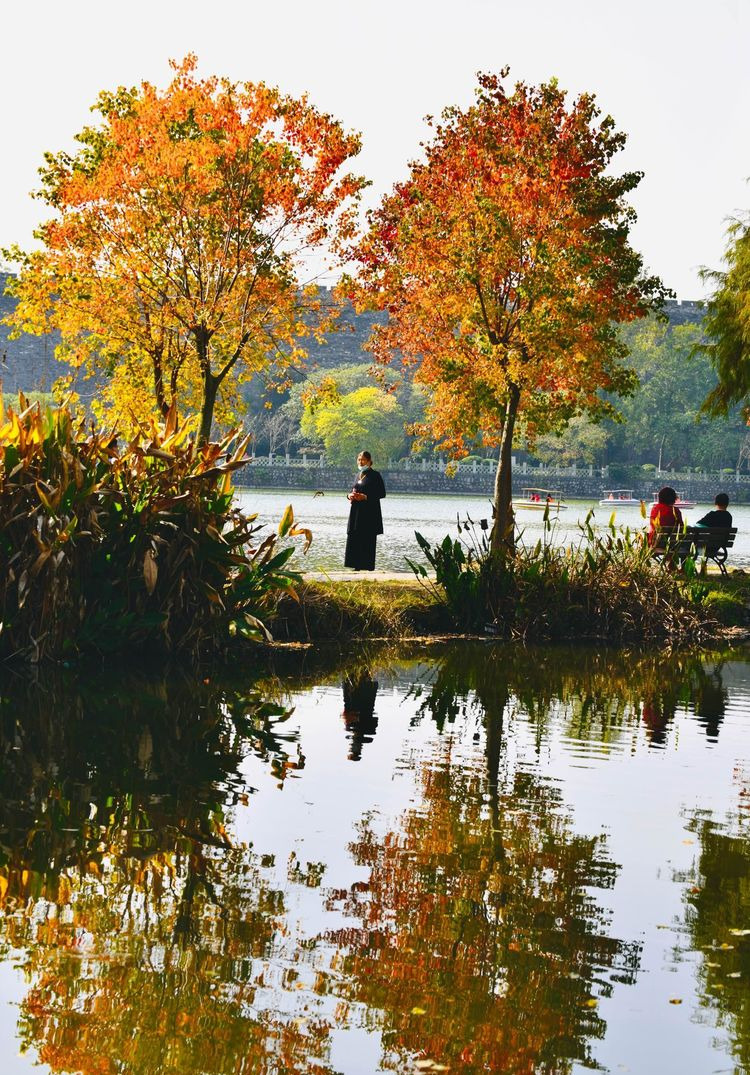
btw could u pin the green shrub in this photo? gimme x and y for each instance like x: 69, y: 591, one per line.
x: 728, y: 608
x: 108, y: 546
x: 605, y: 587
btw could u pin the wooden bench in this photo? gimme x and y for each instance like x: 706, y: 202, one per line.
x: 705, y: 542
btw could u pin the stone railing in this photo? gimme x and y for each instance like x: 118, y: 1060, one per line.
x: 423, y: 465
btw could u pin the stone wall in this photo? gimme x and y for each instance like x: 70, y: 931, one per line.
x: 468, y: 483
x: 28, y: 363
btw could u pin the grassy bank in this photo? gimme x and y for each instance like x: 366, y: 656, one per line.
x: 647, y: 608
x: 360, y: 609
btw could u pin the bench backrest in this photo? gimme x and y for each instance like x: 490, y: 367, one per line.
x: 702, y: 537
x: 711, y: 536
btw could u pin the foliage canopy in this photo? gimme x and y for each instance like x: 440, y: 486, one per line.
x: 171, y: 264
x: 504, y: 264
x: 367, y: 418
x: 727, y: 323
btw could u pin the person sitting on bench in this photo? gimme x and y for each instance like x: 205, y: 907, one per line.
x: 664, y: 514
x: 720, y: 517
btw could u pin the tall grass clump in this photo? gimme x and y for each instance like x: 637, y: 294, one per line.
x: 606, y: 586
x: 107, y: 546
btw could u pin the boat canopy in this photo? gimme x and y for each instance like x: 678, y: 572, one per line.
x: 619, y: 492
x: 547, y: 492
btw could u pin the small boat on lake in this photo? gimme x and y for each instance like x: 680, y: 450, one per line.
x: 681, y: 502
x: 540, y: 500
x: 619, y: 498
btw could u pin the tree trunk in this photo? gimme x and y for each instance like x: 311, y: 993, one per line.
x: 210, y: 389
x: 210, y: 382
x: 502, y: 537
x: 161, y: 399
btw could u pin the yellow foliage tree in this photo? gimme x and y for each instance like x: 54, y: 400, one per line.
x: 171, y: 265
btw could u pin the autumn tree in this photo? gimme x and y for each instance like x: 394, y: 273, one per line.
x: 366, y: 418
x: 504, y: 263
x: 171, y: 264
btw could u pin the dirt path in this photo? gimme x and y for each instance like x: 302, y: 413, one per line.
x: 364, y: 577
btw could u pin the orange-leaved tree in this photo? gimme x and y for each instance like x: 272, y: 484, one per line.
x: 171, y: 265
x: 504, y: 263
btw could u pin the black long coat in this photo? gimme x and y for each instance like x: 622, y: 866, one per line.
x: 365, y: 516
x: 365, y: 522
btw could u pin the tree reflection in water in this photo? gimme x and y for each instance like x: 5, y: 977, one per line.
x: 717, y: 919
x: 479, y: 940
x: 139, y: 921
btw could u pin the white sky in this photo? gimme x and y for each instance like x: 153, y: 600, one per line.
x: 675, y: 74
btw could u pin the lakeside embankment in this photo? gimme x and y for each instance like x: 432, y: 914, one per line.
x: 470, y: 481
x: 390, y: 608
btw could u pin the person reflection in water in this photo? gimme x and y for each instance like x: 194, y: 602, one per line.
x: 710, y: 698
x: 659, y: 708
x: 360, y: 691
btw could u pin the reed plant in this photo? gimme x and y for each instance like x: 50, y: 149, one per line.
x: 605, y: 585
x: 111, y: 546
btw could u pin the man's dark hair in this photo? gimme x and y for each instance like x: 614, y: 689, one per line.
x: 667, y: 495
x: 721, y: 500
x: 366, y: 455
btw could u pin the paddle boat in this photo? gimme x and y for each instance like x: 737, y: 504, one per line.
x: 540, y: 500
x: 619, y: 498
x: 680, y: 502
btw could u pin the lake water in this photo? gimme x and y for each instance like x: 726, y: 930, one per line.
x: 470, y: 858
x: 435, y: 516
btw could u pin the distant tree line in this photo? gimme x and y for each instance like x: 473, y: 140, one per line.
x: 335, y: 411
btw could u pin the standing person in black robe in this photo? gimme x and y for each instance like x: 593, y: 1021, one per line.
x: 365, y: 517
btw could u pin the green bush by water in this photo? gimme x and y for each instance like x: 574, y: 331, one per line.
x: 106, y: 547
x: 606, y: 586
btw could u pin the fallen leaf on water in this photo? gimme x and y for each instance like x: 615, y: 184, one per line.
x: 660, y: 925
x: 726, y: 946
x: 592, y: 1002
x: 419, y: 1011
x: 709, y: 964
x: 675, y: 1000
x: 688, y: 841
x: 740, y: 932
x: 735, y: 974
x: 424, y: 1065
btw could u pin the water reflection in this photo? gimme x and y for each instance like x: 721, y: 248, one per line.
x: 717, y: 917
x: 479, y: 938
x: 170, y: 888
x: 710, y: 698
x: 360, y: 691
x: 598, y: 691
x: 138, y: 917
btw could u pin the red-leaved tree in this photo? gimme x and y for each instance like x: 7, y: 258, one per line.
x: 505, y: 265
